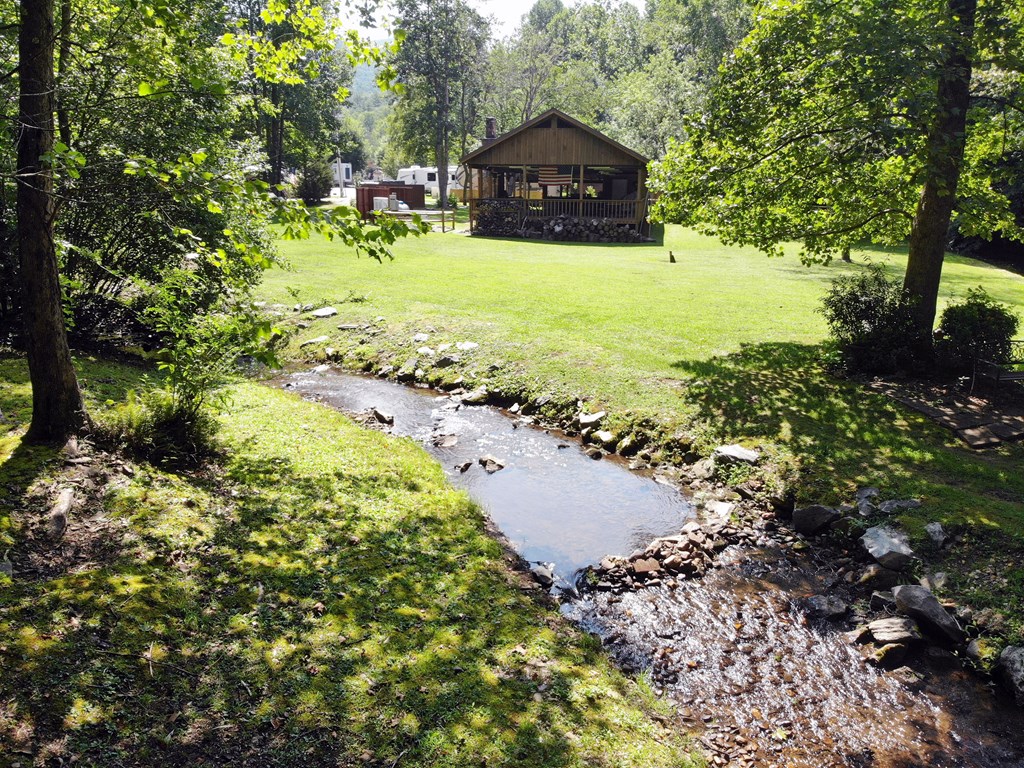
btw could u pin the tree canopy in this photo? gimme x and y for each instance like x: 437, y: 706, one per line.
x: 438, y: 65
x: 142, y: 134
x: 837, y: 123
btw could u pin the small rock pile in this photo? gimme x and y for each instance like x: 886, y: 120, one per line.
x: 911, y: 618
x: 727, y: 746
x: 687, y: 555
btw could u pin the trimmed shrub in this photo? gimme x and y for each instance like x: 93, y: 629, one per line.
x: 314, y: 182
x: 977, y: 328
x: 871, y: 320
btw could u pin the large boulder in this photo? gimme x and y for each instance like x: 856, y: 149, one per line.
x: 894, y: 629
x: 888, y: 547
x: 919, y: 603
x: 812, y: 519
x: 735, y: 454
x: 491, y: 464
x: 1011, y: 671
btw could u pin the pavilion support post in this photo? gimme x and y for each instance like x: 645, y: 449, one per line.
x: 641, y: 194
x: 526, y: 198
x: 582, y: 177
x: 479, y: 192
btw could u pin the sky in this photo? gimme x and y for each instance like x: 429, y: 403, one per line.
x: 505, y: 13
x: 509, y: 12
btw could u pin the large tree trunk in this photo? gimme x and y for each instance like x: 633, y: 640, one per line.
x: 57, y: 408
x: 63, y: 63
x: 441, y: 147
x: 275, y: 137
x: 441, y: 159
x: 945, y: 154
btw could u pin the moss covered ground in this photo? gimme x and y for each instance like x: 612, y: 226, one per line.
x: 319, y: 596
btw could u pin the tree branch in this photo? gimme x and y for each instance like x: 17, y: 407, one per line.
x: 999, y: 100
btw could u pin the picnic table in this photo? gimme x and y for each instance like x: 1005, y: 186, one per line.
x: 429, y: 215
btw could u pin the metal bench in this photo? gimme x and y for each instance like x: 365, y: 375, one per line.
x: 1012, y: 370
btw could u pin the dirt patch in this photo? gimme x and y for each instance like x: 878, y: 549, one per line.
x: 63, y: 521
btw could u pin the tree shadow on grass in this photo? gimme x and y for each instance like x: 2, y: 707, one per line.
x: 842, y: 433
x: 298, y: 619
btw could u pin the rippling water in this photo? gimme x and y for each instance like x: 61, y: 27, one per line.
x: 553, y: 502
x: 731, y: 650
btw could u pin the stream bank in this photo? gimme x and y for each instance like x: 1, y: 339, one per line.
x: 735, y: 650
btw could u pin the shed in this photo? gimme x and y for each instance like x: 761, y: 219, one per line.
x: 553, y: 166
x: 410, y: 194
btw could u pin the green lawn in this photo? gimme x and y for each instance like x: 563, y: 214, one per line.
x: 723, y: 345
x: 614, y: 321
x: 321, y: 598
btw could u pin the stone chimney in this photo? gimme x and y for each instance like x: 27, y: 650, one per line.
x: 491, y: 132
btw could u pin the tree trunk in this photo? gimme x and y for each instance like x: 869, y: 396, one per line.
x: 57, y: 408
x: 63, y: 64
x: 945, y: 153
x: 275, y: 137
x: 441, y: 149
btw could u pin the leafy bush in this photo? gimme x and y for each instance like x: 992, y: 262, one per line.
x: 154, y: 426
x: 453, y: 201
x: 202, y: 346
x: 871, y: 320
x: 976, y: 328
x: 314, y: 182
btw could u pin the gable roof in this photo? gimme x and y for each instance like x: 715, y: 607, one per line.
x: 506, y: 141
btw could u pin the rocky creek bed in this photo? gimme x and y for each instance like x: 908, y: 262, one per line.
x: 782, y: 635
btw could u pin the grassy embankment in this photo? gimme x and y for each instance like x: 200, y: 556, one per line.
x: 723, y: 345
x: 321, y: 598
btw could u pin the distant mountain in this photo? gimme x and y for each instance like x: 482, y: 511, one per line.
x: 369, y: 106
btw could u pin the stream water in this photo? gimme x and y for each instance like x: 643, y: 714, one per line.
x: 732, y: 650
x: 553, y: 502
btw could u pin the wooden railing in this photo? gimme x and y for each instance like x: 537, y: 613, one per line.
x: 624, y: 211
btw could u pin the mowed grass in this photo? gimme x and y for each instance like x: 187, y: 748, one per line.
x: 616, y: 321
x: 322, y: 598
x: 724, y: 345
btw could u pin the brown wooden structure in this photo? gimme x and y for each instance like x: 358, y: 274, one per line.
x: 410, y: 194
x: 596, y: 176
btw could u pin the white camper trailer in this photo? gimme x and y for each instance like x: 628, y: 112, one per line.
x: 427, y: 176
x: 343, y: 174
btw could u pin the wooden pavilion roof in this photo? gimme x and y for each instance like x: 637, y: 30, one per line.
x: 554, y: 138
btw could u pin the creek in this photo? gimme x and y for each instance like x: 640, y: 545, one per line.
x: 733, y: 651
